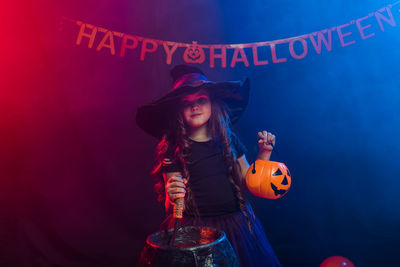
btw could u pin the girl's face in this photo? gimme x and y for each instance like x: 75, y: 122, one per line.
x: 196, y: 109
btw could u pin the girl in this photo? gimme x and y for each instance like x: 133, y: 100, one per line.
x: 201, y: 160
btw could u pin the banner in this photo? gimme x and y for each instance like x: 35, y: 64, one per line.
x: 255, y: 54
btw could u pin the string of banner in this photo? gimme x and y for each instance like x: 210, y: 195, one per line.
x: 194, y: 53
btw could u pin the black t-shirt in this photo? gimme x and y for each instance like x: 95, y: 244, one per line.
x: 214, y: 195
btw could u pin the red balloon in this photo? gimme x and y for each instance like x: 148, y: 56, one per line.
x: 337, y: 261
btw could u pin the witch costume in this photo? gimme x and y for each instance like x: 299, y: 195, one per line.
x: 214, y: 195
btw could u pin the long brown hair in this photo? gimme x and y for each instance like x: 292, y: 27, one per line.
x: 177, y: 140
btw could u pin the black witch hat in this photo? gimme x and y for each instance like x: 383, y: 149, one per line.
x: 154, y: 117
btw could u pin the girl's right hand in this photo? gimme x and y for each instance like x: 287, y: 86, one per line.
x: 176, y: 187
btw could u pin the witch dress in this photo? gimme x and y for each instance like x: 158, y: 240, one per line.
x: 218, y: 205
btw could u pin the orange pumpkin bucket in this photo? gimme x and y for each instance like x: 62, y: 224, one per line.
x: 268, y: 179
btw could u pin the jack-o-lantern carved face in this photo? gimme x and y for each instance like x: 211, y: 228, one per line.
x: 194, y: 54
x: 268, y: 179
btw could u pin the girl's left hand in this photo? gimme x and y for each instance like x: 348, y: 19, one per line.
x: 266, y: 139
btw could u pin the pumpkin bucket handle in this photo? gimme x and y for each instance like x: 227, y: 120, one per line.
x: 276, y: 152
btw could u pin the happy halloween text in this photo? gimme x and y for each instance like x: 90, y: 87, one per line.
x: 262, y: 53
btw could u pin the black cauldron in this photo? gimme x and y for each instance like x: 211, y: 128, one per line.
x: 194, y: 246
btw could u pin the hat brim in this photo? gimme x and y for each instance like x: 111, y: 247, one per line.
x: 154, y: 117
